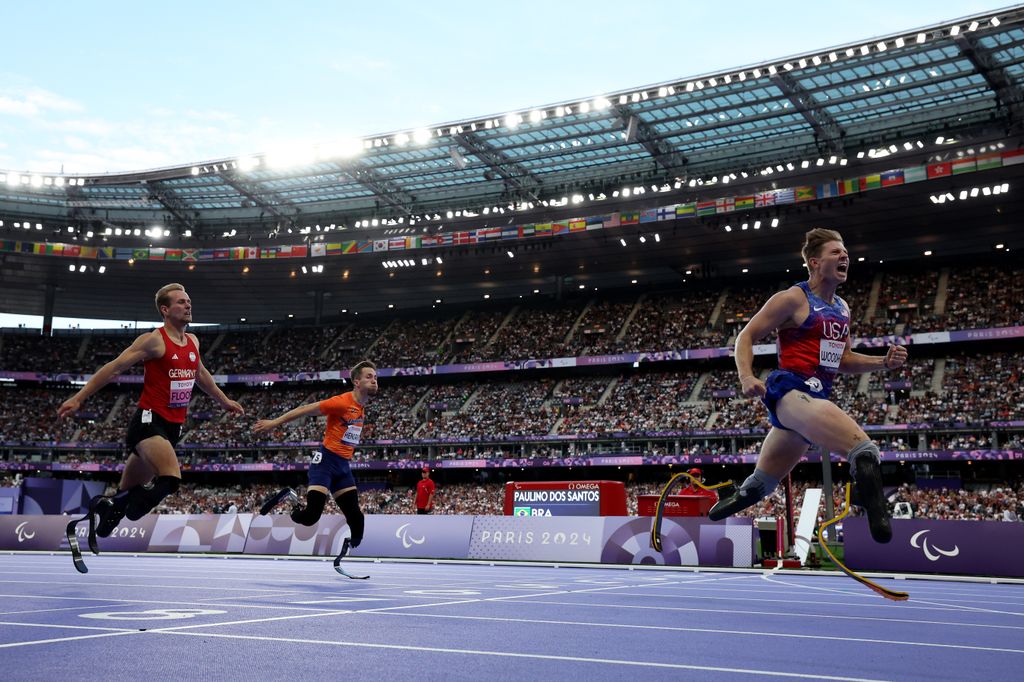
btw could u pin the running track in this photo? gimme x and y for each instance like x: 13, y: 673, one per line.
x: 162, y: 617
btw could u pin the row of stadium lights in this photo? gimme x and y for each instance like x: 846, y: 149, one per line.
x: 971, y: 193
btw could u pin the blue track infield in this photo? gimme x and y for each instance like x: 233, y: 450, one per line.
x: 155, y: 618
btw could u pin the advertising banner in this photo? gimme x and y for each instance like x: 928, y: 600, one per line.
x: 58, y: 495
x: 927, y: 546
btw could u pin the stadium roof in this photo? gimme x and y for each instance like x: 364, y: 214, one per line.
x: 911, y: 98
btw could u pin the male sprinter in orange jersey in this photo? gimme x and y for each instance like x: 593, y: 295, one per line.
x: 329, y: 470
x: 172, y: 367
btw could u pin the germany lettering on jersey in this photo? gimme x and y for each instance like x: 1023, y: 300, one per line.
x: 815, y: 348
x: 169, y: 379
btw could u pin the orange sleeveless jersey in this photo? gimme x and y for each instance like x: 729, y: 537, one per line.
x: 344, y: 424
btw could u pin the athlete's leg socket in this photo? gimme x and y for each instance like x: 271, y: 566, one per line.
x: 310, y: 514
x: 349, y: 504
x: 866, y: 448
x: 142, y: 500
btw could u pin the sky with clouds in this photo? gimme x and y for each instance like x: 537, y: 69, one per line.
x: 114, y: 86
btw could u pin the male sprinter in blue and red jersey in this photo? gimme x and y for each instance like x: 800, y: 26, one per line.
x: 170, y: 357
x: 814, y: 345
x: 329, y: 469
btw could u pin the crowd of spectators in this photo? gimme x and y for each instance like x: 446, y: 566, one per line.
x: 599, y: 327
x: 488, y: 412
x: 981, y: 297
x: 534, y: 332
x: 655, y: 401
x: 672, y: 321
x: 414, y: 343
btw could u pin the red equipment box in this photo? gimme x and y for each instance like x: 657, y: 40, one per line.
x: 565, y: 498
x: 675, y: 505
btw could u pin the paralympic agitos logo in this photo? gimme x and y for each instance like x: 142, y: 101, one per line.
x: 23, y: 533
x: 927, y: 549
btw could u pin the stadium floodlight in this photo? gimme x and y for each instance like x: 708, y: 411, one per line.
x: 746, y: 270
x: 81, y: 268
x: 71, y: 268
x: 741, y: 76
x: 421, y: 136
x: 536, y: 116
x: 728, y: 228
x: 995, y: 21
x: 881, y: 46
x: 900, y: 42
x: 921, y: 37
x: 955, y: 31
x: 401, y: 139
x: 510, y: 254
x: 643, y: 240
x: 657, y: 237
x: 512, y: 121
x: 88, y: 235
x: 290, y: 157
x: 622, y: 241
x: 974, y: 192
x: 775, y: 222
x: 102, y: 269
x: 195, y: 170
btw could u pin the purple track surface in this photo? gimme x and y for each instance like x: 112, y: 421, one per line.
x: 155, y: 618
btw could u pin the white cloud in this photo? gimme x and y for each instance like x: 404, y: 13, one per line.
x: 33, y: 102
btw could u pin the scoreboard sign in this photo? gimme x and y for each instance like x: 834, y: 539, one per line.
x: 565, y: 498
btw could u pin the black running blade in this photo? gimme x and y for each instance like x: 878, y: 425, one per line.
x: 337, y: 562
x: 76, y: 551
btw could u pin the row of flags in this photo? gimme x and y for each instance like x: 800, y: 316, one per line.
x: 484, y: 235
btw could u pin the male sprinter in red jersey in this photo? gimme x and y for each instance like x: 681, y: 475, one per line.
x: 172, y: 367
x: 329, y: 469
x: 814, y: 345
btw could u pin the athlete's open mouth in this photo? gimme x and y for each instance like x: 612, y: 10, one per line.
x: 843, y: 267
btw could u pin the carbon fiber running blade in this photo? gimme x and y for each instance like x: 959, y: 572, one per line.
x: 76, y: 551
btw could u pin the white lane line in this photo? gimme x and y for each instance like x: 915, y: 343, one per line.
x: 970, y: 609
x: 86, y: 583
x: 69, y: 639
x: 779, y: 614
x: 516, y: 654
x: 68, y: 627
x: 717, y: 631
x: 63, y: 608
x: 121, y: 602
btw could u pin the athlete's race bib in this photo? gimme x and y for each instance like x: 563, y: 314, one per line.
x: 181, y: 392
x: 352, y: 434
x: 831, y: 353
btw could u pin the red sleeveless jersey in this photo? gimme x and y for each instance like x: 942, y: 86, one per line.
x: 169, y: 380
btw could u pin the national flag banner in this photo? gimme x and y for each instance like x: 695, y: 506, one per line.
x: 73, y: 250
x: 595, y: 223
x: 577, y: 225
x: 487, y: 234
x: 124, y: 253
x: 252, y: 252
x: 39, y: 248
x: 705, y: 208
x: 207, y: 254
x: 190, y: 255
x: 238, y: 253
x: 869, y: 182
x: 805, y: 193
x: 891, y: 178
x: 629, y: 217
x: 431, y: 240
x: 89, y: 252
x: 380, y: 245
x: 612, y: 220
x: 940, y: 170
x: 396, y: 244
x: 827, y: 190
x: 846, y: 187
x: 649, y: 215
x: 989, y: 161
x: 784, y: 196
x: 333, y: 248
x: 725, y: 205
x: 563, y: 228
x: 269, y: 251
x: 364, y: 246
x: 55, y: 249
x: 510, y: 232
x: 745, y: 203
x: 105, y: 252
x: 666, y: 213
x: 542, y: 230
x: 348, y: 247
x: 762, y: 199
x: 1013, y: 158
x: 319, y: 250
x: 463, y: 238
x: 157, y: 253
x: 526, y: 230
x: 143, y: 254
x: 686, y: 210
x: 412, y: 242
x: 964, y: 166
x: 915, y: 174
x: 173, y: 254
x: 29, y: 247
x: 299, y: 251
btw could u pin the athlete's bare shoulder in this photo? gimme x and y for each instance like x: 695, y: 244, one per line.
x: 195, y: 339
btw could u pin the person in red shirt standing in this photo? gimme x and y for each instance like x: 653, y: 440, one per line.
x: 170, y: 356
x: 425, y: 493
x: 329, y: 470
x: 694, y: 489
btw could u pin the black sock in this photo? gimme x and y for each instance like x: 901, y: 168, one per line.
x: 349, y: 504
x: 310, y: 514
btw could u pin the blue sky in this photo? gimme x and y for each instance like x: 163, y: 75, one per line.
x: 111, y: 86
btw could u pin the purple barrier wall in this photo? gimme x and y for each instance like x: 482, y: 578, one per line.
x: 926, y: 546
x: 57, y: 496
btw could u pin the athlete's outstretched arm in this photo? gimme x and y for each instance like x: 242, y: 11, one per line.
x: 859, y: 363
x: 779, y: 309
x: 144, y: 348
x: 308, y: 410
